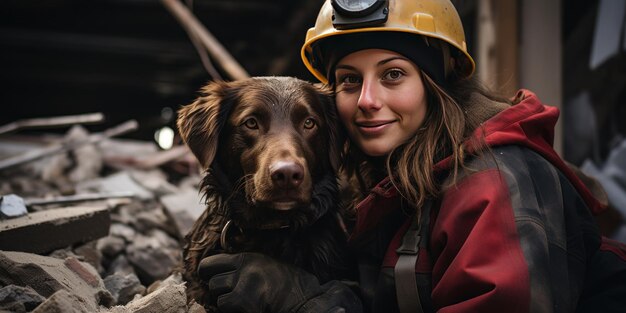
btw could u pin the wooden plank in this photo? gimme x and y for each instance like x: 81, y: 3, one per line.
x: 60, y: 148
x: 193, y: 26
x: 55, y: 121
x: 79, y: 198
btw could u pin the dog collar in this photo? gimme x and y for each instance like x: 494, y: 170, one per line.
x: 228, y: 228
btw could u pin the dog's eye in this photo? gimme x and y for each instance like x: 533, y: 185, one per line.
x: 309, y: 123
x: 251, y: 123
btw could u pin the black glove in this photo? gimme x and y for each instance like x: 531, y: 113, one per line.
x: 252, y: 282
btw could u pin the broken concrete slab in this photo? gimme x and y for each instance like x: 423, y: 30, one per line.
x: 19, y: 299
x: 123, y: 231
x: 47, y: 275
x: 154, y: 218
x: 184, y: 207
x: 123, y: 153
x: 120, y: 265
x: 154, y: 180
x: 168, y: 299
x: 111, y: 246
x: 118, y: 182
x: 162, y: 157
x: 89, y: 253
x: 154, y: 255
x: 174, y: 279
x: 45, y: 231
x: 194, y: 307
x: 124, y: 287
x: 162, y: 296
x: 62, y: 301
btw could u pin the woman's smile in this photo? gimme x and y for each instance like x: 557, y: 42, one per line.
x: 374, y: 127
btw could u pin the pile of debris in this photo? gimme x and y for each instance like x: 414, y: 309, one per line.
x: 89, y: 223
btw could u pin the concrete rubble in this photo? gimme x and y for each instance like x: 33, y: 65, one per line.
x: 124, y: 287
x: 19, y: 299
x: 45, y: 231
x: 167, y: 297
x: 102, y: 226
x: 48, y: 275
x: 184, y: 208
x: 12, y: 206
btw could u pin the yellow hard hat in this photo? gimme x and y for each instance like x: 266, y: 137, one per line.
x: 437, y: 19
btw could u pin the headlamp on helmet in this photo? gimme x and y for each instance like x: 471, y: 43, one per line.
x: 359, y: 13
x: 339, y: 21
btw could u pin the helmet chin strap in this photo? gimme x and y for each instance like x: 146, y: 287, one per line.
x: 447, y: 63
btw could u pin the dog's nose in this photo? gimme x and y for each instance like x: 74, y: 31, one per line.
x: 287, y: 174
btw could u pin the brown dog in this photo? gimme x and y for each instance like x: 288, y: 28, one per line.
x: 270, y: 147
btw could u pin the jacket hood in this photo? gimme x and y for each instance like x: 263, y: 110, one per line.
x: 531, y: 124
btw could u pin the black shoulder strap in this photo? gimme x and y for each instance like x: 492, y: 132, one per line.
x: 416, y: 237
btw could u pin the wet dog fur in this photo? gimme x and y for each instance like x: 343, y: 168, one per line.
x: 270, y: 147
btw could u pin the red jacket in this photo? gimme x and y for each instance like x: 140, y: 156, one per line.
x: 514, y: 235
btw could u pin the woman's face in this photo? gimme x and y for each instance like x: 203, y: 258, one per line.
x: 380, y: 98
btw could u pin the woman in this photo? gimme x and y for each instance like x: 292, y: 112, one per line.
x: 463, y: 205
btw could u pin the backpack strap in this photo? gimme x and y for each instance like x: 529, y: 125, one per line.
x: 416, y: 237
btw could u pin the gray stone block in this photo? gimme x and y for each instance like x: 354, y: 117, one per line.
x: 45, y: 231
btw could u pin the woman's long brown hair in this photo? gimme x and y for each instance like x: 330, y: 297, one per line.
x: 446, y: 126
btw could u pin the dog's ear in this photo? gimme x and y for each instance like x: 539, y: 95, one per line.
x: 200, y: 122
x: 336, y: 135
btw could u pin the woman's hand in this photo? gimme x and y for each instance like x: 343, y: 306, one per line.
x: 252, y: 282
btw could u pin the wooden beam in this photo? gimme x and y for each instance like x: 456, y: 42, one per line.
x: 55, y: 121
x: 194, y: 28
x: 294, y: 34
x: 60, y: 148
